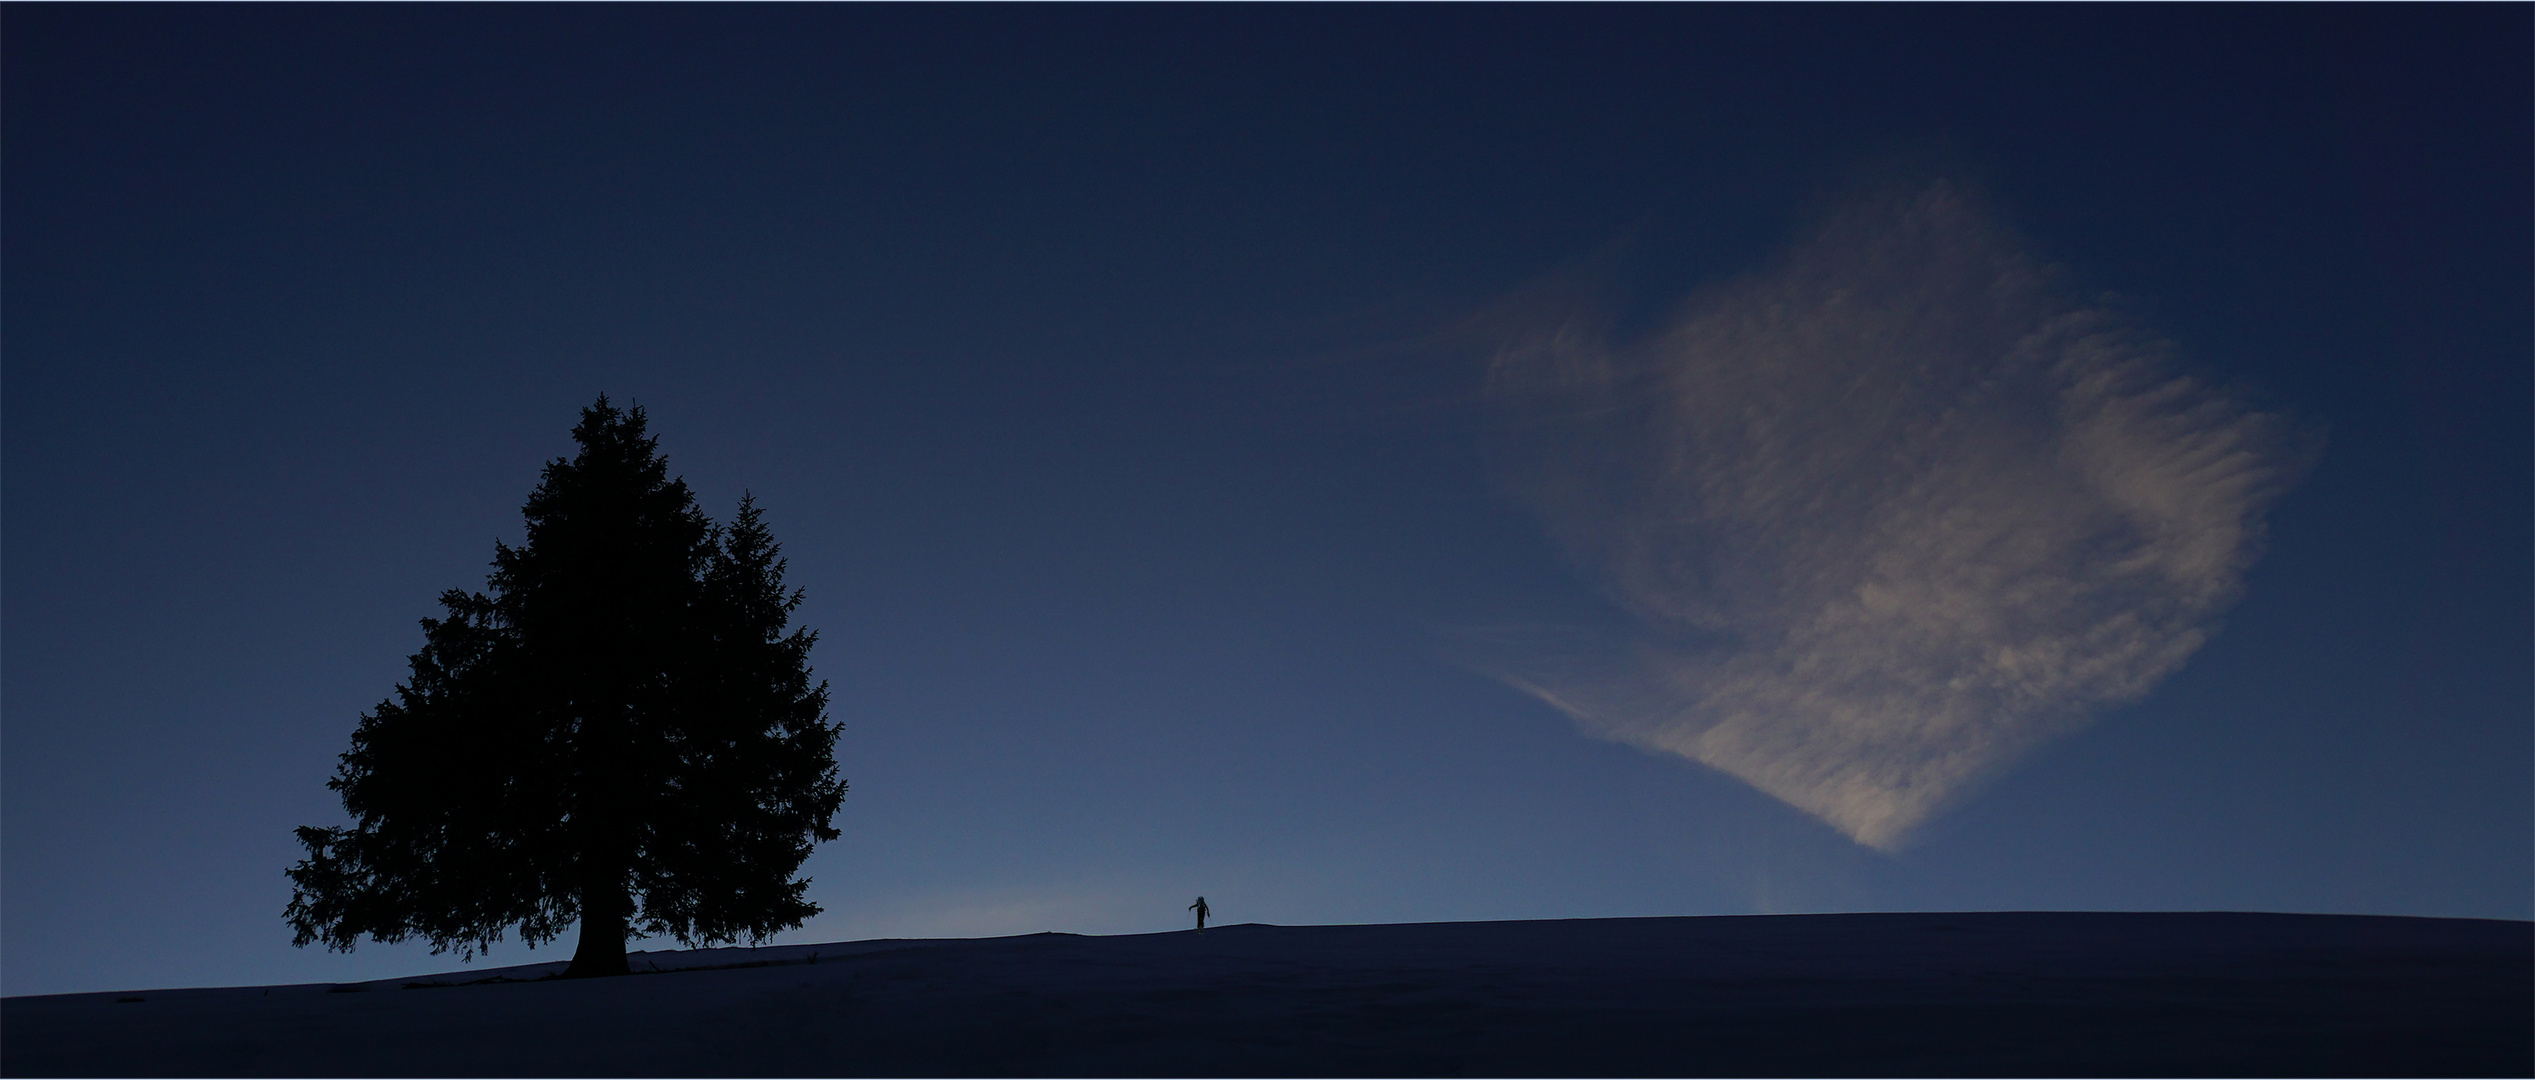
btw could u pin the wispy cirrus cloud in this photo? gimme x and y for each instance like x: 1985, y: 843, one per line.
x: 1887, y: 514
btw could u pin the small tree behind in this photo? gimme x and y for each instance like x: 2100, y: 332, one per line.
x: 621, y: 733
x: 755, y: 764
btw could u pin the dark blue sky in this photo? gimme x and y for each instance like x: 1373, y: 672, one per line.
x: 1120, y: 383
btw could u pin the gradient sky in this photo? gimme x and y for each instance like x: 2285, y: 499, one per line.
x: 1152, y: 402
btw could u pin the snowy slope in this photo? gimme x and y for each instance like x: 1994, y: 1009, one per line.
x: 1905, y: 994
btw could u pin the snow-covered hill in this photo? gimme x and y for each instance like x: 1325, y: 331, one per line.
x: 1903, y: 994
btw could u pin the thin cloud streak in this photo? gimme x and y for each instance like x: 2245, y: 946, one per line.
x: 1887, y: 515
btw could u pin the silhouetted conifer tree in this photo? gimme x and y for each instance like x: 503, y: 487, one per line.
x: 621, y: 732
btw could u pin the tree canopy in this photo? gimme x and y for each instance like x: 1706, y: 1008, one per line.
x: 621, y: 731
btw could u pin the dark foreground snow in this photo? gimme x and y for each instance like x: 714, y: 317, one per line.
x: 1972, y: 994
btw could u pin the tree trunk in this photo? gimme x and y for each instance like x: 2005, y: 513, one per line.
x: 602, y: 949
x: 599, y: 818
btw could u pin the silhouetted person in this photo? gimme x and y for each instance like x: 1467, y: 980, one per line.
x: 1200, y: 908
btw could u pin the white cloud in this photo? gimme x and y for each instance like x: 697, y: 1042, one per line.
x: 1887, y: 514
